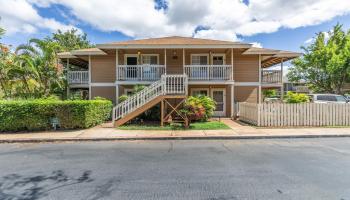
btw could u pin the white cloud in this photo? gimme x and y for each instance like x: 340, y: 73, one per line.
x: 217, y: 34
x: 19, y: 16
x: 257, y: 44
x: 223, y: 19
x: 309, y: 41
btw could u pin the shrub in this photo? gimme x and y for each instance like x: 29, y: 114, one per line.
x: 122, y: 98
x: 269, y: 93
x: 293, y: 97
x: 199, y: 108
x: 30, y: 115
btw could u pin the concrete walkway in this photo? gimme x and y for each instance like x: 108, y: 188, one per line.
x: 237, y: 131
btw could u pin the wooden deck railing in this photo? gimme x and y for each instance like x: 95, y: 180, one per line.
x: 271, y: 76
x: 140, y: 72
x: 208, y: 72
x: 78, y: 77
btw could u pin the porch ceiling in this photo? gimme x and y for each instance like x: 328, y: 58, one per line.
x: 271, y: 57
x: 76, y: 62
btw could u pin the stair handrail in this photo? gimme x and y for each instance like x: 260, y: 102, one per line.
x: 168, y: 84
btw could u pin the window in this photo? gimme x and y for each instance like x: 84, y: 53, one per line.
x: 131, y: 59
x: 326, y: 98
x: 199, y: 59
x: 197, y: 92
x: 128, y: 91
x: 340, y: 99
x: 150, y: 59
x: 218, y: 60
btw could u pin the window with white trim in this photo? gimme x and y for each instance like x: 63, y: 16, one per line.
x: 128, y: 92
x: 199, y: 91
x: 199, y: 59
x: 218, y: 60
x: 150, y: 59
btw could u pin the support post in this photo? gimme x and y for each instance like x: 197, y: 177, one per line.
x: 260, y: 95
x: 116, y: 76
x: 68, y: 86
x: 165, y: 61
x: 232, y: 102
x: 89, y: 77
x: 232, y: 73
x: 162, y: 113
x: 183, y: 60
x: 282, y: 85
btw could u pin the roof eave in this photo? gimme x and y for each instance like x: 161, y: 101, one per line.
x: 88, y: 53
x: 65, y: 55
x: 288, y: 55
x: 172, y: 46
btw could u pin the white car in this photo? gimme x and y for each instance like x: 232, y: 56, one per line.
x: 327, y: 98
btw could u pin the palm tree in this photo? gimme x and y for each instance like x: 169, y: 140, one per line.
x: 39, y: 58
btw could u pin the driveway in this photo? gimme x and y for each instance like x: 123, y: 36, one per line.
x: 239, y: 169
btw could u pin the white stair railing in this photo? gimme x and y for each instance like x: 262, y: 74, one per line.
x: 167, y: 85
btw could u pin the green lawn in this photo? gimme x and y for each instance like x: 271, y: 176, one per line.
x: 213, y: 125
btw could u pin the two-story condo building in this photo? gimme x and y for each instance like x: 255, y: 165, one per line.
x: 228, y: 72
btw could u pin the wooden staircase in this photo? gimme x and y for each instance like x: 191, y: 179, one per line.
x: 169, y: 86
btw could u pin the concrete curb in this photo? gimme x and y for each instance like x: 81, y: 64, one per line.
x: 42, y: 140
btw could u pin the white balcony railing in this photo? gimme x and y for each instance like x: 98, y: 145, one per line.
x: 78, y: 77
x: 271, y: 76
x: 139, y: 72
x: 208, y: 72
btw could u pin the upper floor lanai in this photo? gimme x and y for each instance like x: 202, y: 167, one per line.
x: 204, y: 61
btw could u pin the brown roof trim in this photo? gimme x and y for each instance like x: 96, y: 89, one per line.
x: 274, y: 56
x: 81, y: 52
x: 65, y: 55
x: 174, y: 42
x: 90, y: 51
x: 261, y: 51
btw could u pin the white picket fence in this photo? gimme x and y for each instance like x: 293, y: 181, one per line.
x: 305, y: 114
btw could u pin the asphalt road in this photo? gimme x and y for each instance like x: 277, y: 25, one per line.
x: 215, y: 170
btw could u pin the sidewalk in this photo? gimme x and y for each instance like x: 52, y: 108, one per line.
x: 238, y: 131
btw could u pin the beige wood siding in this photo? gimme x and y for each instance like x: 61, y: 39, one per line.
x: 122, y: 52
x: 174, y: 64
x: 122, y: 89
x: 245, y: 67
x: 188, y: 53
x: 246, y: 94
x: 103, y: 68
x: 105, y: 92
x: 227, y: 92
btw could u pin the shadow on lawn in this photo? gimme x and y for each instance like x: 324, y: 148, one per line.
x: 15, y: 186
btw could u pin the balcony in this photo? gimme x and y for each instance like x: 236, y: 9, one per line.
x: 78, y: 77
x: 208, y: 72
x: 271, y: 76
x: 139, y: 72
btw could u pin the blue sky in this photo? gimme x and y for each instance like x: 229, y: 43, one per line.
x: 279, y: 26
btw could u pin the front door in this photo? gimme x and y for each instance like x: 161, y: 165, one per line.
x: 131, y: 71
x: 218, y: 71
x: 218, y: 94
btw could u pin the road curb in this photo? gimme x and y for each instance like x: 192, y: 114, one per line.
x: 43, y: 140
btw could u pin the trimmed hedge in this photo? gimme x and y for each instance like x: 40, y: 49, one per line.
x: 31, y: 115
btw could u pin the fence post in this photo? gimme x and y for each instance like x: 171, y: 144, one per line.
x: 258, y: 113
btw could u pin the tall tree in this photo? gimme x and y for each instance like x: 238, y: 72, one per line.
x: 71, y: 40
x: 2, y: 32
x: 325, y: 65
x: 39, y: 59
x: 5, y: 62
